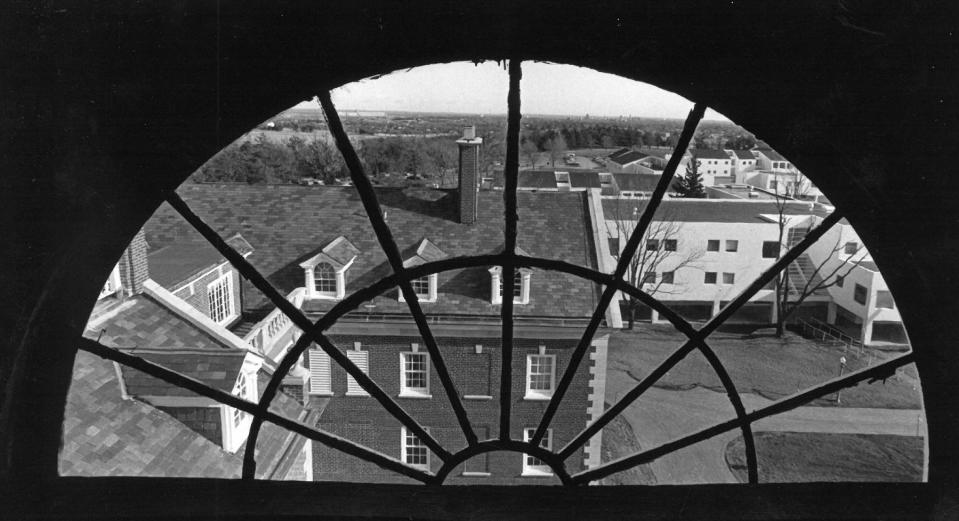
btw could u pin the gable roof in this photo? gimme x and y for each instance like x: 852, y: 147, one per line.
x: 708, y: 153
x: 743, y: 154
x: 339, y: 253
x: 619, y: 153
x: 629, y: 157
x: 287, y: 222
x: 424, y: 252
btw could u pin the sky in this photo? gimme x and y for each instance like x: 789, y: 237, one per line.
x: 481, y: 89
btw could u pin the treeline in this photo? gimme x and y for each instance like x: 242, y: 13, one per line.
x: 266, y: 161
x: 547, y: 136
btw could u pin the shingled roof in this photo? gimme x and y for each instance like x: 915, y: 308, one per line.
x: 290, y: 223
x: 629, y: 157
x: 744, y: 154
x: 771, y: 154
x: 217, y: 369
x: 105, y: 435
x: 147, y: 324
x: 173, y: 264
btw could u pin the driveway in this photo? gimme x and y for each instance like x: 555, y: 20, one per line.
x: 660, y: 416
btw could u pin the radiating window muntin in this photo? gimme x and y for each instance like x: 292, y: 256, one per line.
x: 538, y: 436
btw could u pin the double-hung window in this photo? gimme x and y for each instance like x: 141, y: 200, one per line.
x: 324, y: 280
x: 421, y: 287
x: 415, y: 374
x: 220, y: 295
x: 533, y: 466
x: 540, y: 376
x: 732, y: 246
x: 517, y: 286
x: 413, y: 451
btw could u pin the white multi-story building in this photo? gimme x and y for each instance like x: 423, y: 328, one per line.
x: 714, y: 165
x: 714, y: 248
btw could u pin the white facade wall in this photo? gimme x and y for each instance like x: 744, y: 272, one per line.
x: 711, y: 168
x: 872, y: 280
x: 746, y: 263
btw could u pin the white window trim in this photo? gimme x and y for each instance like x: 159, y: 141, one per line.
x: 231, y: 309
x: 532, y: 394
x: 403, y: 433
x: 537, y: 470
x: 496, y: 277
x: 407, y: 392
x: 433, y: 280
x: 310, y: 282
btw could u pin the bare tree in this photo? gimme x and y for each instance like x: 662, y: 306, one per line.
x: 660, y: 255
x: 790, y: 295
x: 556, y: 146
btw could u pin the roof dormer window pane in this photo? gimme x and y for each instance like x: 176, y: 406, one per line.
x: 324, y: 279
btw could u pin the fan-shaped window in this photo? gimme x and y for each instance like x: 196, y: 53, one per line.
x: 724, y: 364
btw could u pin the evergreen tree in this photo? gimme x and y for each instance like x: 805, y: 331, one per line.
x: 691, y: 185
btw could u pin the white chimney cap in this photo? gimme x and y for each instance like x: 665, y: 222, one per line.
x: 469, y: 136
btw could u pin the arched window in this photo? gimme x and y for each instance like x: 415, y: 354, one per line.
x: 324, y: 279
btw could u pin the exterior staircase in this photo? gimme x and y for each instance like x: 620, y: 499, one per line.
x: 801, y: 271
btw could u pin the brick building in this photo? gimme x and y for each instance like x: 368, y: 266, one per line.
x: 316, y: 246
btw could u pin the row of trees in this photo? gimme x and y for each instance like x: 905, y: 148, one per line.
x: 263, y: 160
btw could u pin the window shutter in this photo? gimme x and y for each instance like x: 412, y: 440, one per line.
x: 362, y: 360
x: 320, y: 372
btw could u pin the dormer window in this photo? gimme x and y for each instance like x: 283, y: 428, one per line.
x: 521, y: 279
x: 424, y: 287
x: 325, y: 272
x: 324, y: 280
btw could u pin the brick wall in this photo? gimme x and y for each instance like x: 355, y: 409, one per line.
x: 195, y: 293
x: 363, y: 420
x: 133, y: 265
x: 204, y: 420
x: 468, y: 171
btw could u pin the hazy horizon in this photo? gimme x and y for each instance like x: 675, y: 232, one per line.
x: 546, y: 90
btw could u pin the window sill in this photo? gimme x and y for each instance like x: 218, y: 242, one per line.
x: 537, y: 397
x: 362, y: 393
x: 477, y: 397
x: 321, y: 394
x: 532, y: 473
x: 475, y: 474
x: 407, y: 394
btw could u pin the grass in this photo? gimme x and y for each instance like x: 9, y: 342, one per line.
x: 771, y: 367
x: 790, y: 457
x: 620, y: 441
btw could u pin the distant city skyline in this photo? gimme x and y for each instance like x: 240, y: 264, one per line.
x: 546, y: 89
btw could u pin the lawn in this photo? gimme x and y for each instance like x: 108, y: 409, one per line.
x: 790, y: 457
x: 767, y: 366
x: 620, y: 441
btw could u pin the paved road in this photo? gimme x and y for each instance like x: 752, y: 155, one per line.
x: 660, y: 416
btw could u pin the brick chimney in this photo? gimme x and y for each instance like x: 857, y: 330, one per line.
x: 469, y: 146
x: 133, y: 265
